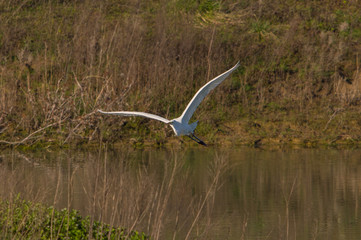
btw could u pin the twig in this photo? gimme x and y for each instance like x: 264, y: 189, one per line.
x: 209, y: 54
x: 28, y: 160
x: 80, y: 122
x: 332, y: 117
x: 29, y: 136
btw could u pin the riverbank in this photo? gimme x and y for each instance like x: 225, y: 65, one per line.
x: 299, y: 81
x: 268, y: 128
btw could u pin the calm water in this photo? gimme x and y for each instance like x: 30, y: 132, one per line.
x: 210, y: 194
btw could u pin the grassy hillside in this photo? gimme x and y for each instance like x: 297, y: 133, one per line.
x: 299, y: 79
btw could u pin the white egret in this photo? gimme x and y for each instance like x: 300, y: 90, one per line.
x: 180, y: 125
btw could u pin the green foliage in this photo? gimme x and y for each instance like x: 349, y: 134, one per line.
x: 260, y: 27
x: 248, y: 87
x: 235, y: 84
x: 356, y: 33
x: 26, y: 220
x: 273, y: 106
x: 208, y: 6
x: 201, y: 6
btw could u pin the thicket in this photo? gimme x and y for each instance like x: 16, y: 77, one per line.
x: 20, y: 219
x: 62, y: 60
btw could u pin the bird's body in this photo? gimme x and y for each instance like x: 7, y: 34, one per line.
x: 181, y: 124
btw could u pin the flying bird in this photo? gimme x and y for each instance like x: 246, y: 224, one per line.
x: 180, y: 125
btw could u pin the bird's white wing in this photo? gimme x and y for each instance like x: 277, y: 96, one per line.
x: 137, y: 114
x: 202, y: 93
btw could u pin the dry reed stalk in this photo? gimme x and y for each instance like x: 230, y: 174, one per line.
x: 162, y: 202
x: 70, y: 189
x: 209, y: 53
x: 57, y: 189
x: 287, y: 202
x: 219, y: 168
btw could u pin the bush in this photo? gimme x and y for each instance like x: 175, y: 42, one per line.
x: 26, y: 220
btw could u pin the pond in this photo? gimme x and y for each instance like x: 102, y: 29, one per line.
x: 242, y: 193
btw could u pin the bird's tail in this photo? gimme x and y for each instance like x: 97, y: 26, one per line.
x: 193, y: 125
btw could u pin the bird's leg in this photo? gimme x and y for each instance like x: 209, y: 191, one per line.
x: 194, y: 138
x: 191, y: 137
x: 199, y: 141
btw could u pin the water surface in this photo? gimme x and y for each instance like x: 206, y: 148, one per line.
x: 207, y: 193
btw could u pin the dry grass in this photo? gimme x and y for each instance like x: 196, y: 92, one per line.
x: 61, y: 60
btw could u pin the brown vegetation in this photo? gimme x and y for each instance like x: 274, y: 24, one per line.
x: 62, y: 60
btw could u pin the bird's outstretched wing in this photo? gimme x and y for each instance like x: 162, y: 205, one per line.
x: 202, y: 93
x: 137, y: 114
